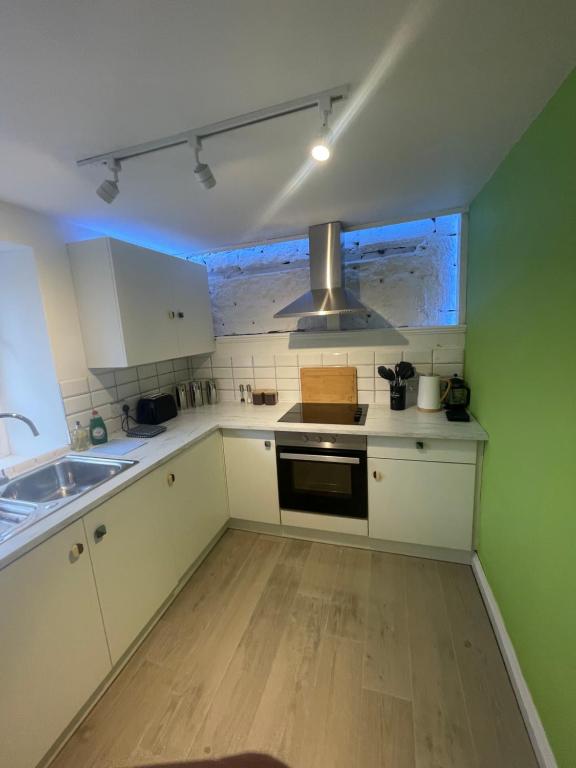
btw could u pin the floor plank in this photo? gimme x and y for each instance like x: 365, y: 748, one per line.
x: 387, y: 657
x: 229, y: 718
x: 441, y: 728
x: 348, y: 609
x: 386, y: 738
x: 319, y: 655
x: 500, y: 737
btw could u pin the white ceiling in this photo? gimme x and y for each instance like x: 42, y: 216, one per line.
x: 455, y: 84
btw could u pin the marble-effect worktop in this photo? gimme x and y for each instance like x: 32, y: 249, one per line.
x: 191, y: 426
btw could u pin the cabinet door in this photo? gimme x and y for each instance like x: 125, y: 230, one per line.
x: 421, y: 502
x: 53, y: 648
x: 191, y: 300
x: 146, y: 303
x: 132, y: 556
x: 197, y: 499
x: 251, y: 475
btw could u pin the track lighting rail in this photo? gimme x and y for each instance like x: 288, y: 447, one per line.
x: 320, y: 99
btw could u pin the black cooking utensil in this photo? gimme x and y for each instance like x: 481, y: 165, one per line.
x: 386, y: 373
x: 405, y: 370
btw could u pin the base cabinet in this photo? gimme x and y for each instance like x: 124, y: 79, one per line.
x: 53, y: 651
x: 197, y: 499
x: 251, y: 475
x: 421, y: 502
x: 131, y: 550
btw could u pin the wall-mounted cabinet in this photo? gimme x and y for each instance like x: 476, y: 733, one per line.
x: 139, y: 306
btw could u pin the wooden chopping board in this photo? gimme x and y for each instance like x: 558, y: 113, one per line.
x: 329, y: 385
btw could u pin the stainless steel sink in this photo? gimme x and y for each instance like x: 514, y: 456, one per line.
x: 51, y: 486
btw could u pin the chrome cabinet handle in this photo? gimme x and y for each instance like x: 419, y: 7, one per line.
x: 171, y: 314
x: 267, y: 444
x: 420, y: 445
x: 171, y: 479
x: 376, y: 475
x: 100, y: 532
x: 326, y: 459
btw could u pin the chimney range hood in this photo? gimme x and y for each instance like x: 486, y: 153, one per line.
x: 327, y: 294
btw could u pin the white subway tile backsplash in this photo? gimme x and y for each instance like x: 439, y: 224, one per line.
x: 423, y: 368
x: 164, y: 366
x: 262, y: 360
x: 245, y: 381
x: 103, y: 396
x: 105, y: 411
x: 287, y: 372
x: 222, y: 372
x: 448, y: 355
x: 382, y: 397
x: 286, y: 358
x: 381, y: 384
x: 365, y: 396
x: 180, y: 364
x: 309, y: 359
x: 145, y: 371
x: 418, y: 355
x: 268, y: 372
x: 73, y: 387
x: 388, y: 356
x: 222, y: 384
x: 150, y: 384
x: 448, y: 369
x: 227, y: 395
x: 364, y: 371
x: 243, y: 372
x: 287, y: 396
x: 366, y: 383
x: 113, y: 425
x: 219, y: 360
x: 128, y: 390
x: 125, y: 375
x: 289, y: 385
x: 83, y: 417
x: 242, y: 360
x: 264, y: 383
x: 166, y: 380
x: 77, y: 404
x: 101, y: 380
x: 360, y: 357
x: 203, y: 362
x: 334, y: 358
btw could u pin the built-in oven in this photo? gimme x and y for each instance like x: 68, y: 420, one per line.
x: 322, y: 473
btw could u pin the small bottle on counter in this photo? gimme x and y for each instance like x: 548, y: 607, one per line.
x: 80, y: 438
x: 98, y: 431
x: 249, y: 394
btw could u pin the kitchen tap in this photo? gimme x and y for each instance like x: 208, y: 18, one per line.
x: 21, y: 418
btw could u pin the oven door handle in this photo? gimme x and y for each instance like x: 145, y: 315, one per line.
x: 327, y: 459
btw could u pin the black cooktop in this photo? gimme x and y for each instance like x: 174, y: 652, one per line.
x: 326, y: 413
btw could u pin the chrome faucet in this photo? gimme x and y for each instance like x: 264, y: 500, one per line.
x: 21, y: 418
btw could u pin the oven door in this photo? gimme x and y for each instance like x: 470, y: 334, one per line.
x: 325, y: 482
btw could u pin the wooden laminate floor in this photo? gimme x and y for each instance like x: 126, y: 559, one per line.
x: 319, y: 655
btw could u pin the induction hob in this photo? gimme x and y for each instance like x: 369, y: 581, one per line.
x: 326, y: 413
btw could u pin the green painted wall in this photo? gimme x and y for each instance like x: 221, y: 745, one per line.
x: 521, y: 365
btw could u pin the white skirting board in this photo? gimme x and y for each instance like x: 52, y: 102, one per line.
x: 534, y: 726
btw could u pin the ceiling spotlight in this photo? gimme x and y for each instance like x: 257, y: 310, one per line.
x: 202, y: 171
x: 321, y: 148
x: 108, y: 190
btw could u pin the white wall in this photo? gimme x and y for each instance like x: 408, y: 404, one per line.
x: 47, y: 239
x: 28, y: 383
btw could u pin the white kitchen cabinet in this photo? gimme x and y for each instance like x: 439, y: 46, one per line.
x: 53, y: 652
x: 196, y: 498
x: 421, y: 502
x: 139, y: 306
x: 131, y: 548
x: 251, y: 475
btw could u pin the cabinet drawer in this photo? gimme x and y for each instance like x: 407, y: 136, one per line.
x: 422, y: 449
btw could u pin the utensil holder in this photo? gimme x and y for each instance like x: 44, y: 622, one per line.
x: 397, y: 397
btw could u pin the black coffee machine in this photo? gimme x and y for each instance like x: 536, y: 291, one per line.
x: 457, y: 399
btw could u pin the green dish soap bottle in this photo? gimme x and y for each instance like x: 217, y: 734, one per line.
x: 98, y: 432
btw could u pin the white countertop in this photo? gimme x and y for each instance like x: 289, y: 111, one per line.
x: 191, y: 426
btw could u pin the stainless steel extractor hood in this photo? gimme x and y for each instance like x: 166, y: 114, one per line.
x: 327, y: 295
